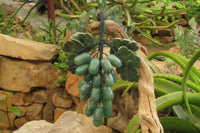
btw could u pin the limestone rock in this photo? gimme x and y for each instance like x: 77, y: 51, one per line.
x: 23, y: 110
x: 57, y: 113
x: 118, y: 123
x: 48, y: 111
x: 20, y: 122
x: 69, y: 122
x: 59, y: 101
x: 40, y: 96
x: 27, y: 49
x: 72, y: 84
x: 20, y: 99
x: 76, y: 100
x: 4, y: 124
x: 40, y: 126
x: 81, y: 107
x: 3, y: 95
x: 24, y: 76
x: 34, y: 112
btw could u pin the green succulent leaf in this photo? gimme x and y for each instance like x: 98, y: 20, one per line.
x: 73, y: 45
x: 130, y: 44
x: 179, y: 125
x: 71, y: 65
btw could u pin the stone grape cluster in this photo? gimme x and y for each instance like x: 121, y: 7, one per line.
x: 99, y: 73
x: 99, y: 77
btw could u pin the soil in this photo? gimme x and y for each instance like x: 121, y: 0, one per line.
x: 33, y: 17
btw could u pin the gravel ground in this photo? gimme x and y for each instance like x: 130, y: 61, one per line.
x: 33, y: 17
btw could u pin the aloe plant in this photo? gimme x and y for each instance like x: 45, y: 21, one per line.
x: 173, y: 90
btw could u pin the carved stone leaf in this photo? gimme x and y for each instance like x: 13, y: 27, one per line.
x: 127, y: 54
x: 73, y: 45
x: 71, y: 65
x: 129, y: 72
x: 132, y: 72
x: 130, y: 61
x: 130, y: 44
x: 84, y: 38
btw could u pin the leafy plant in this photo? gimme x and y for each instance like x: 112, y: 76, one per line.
x: 61, y: 64
x: 188, y: 40
x: 81, y: 24
x: 13, y: 109
x: 51, y: 29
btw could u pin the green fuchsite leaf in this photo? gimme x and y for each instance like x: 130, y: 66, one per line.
x: 114, y: 60
x: 94, y: 66
x: 95, y: 94
x: 107, y: 93
x: 97, y: 80
x: 130, y: 44
x: 72, y: 46
x: 130, y: 61
x: 126, y: 54
x: 106, y: 65
x: 90, y: 108
x: 126, y: 74
x: 70, y: 62
x: 109, y: 80
x: 81, y: 70
x: 82, y: 58
x: 97, y: 116
x: 84, y: 38
x: 85, y: 88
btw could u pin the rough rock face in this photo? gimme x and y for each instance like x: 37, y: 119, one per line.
x: 72, y: 84
x: 26, y: 49
x: 3, y: 95
x: 4, y: 123
x: 28, y: 76
x: 24, y: 76
x: 69, y: 122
